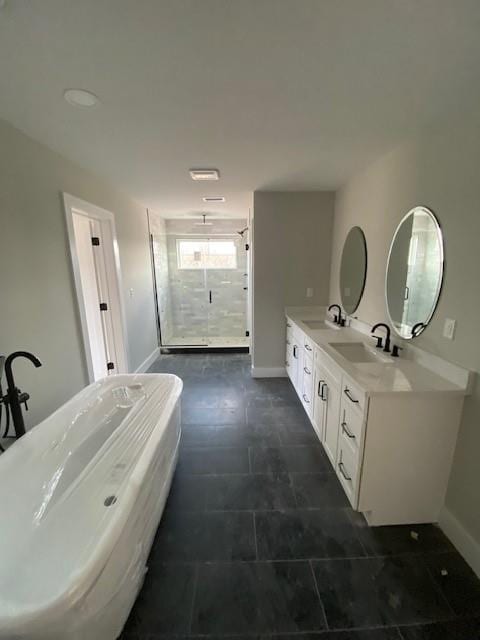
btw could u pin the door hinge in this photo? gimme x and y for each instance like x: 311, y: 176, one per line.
x: 110, y: 366
x: 95, y: 241
x: 103, y: 306
x: 247, y: 333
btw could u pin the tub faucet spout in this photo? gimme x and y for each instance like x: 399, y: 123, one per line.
x: 14, y: 395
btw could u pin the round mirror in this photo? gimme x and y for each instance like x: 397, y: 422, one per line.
x: 353, y: 269
x: 414, y: 272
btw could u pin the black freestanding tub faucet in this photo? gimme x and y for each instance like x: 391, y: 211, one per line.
x: 14, y: 395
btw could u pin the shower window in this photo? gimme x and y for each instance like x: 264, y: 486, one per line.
x: 206, y: 254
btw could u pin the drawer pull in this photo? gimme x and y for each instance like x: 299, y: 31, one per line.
x: 323, y: 395
x: 306, y: 399
x: 346, y: 431
x: 295, y: 351
x: 309, y: 373
x: 346, y: 391
x: 319, y: 390
x: 341, y: 467
x: 308, y: 348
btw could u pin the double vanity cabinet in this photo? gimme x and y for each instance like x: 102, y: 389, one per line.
x: 388, y: 426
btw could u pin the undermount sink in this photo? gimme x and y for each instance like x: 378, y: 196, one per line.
x: 320, y: 325
x: 358, y: 352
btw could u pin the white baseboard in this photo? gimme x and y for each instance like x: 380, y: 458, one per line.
x: 147, y: 363
x: 269, y: 372
x: 461, y: 538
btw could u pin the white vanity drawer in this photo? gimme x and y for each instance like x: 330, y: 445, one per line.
x: 307, y: 392
x: 309, y: 345
x: 308, y: 361
x: 347, y: 471
x: 353, y: 395
x: 351, y: 427
x: 289, y: 327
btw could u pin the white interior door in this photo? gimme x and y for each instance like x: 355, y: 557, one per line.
x: 91, y: 297
x: 97, y: 281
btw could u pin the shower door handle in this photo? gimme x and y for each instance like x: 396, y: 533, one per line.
x: 210, y: 296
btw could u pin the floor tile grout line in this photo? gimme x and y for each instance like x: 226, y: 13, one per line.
x: 319, y: 559
x: 255, y: 535
x: 194, y: 596
x: 274, y: 634
x: 324, y: 613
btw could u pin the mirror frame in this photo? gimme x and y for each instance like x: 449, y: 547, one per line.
x: 438, y: 292
x: 364, y: 283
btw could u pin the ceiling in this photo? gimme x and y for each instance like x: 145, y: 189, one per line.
x: 276, y: 94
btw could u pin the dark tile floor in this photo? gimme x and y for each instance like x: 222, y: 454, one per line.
x: 258, y: 539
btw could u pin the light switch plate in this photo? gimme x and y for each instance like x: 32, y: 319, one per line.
x: 309, y: 292
x: 449, y: 328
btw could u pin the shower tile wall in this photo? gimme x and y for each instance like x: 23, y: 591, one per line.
x: 191, y: 313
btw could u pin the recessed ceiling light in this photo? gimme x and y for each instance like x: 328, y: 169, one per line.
x: 204, y: 174
x: 213, y: 199
x: 80, y: 98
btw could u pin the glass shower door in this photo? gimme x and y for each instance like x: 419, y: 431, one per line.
x: 188, y: 292
x: 201, y: 288
x: 226, y: 283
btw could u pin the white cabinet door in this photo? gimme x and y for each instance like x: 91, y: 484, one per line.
x: 330, y: 393
x: 298, y: 357
x: 318, y: 415
x: 307, y: 387
x: 289, y: 365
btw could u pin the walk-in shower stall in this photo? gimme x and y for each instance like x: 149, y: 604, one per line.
x: 201, y: 281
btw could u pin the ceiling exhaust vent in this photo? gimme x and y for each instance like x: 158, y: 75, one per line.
x: 204, y: 174
x: 214, y: 199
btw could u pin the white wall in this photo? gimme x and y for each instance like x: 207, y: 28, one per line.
x: 292, y: 233
x: 38, y: 305
x: 439, y: 170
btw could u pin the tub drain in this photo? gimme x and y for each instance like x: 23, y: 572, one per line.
x: 109, y: 500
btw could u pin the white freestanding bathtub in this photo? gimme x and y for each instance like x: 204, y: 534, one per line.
x: 82, y: 495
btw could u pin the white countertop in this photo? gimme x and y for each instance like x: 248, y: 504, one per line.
x: 399, y: 376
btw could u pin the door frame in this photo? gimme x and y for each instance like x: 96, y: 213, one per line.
x: 74, y: 205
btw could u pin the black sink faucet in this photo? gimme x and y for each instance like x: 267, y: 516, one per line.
x: 386, y: 348
x: 336, y: 318
x: 13, y: 394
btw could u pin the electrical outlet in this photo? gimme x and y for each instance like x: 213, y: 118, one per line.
x: 309, y: 292
x: 449, y: 328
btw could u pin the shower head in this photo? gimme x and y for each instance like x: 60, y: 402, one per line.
x: 204, y: 223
